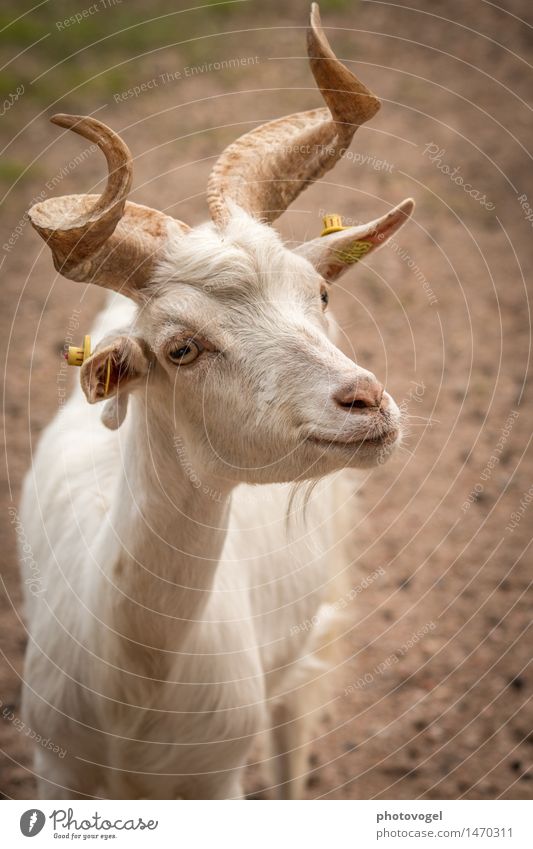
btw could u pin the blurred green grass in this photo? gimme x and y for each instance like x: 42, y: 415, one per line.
x: 12, y: 170
x: 96, y: 52
x: 71, y: 55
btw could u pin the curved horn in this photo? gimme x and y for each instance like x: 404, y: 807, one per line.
x: 103, y: 239
x: 266, y: 169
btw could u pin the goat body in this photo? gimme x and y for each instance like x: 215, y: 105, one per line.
x: 154, y: 671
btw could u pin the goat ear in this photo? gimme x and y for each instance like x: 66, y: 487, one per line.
x: 334, y: 253
x: 115, y: 410
x: 111, y: 372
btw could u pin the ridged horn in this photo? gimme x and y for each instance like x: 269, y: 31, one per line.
x: 266, y: 169
x: 103, y: 239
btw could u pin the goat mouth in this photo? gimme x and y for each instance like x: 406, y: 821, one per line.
x: 384, y: 440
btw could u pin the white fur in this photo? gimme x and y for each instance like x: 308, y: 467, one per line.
x: 166, y: 636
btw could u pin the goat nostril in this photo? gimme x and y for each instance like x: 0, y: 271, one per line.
x: 363, y: 395
x: 358, y: 404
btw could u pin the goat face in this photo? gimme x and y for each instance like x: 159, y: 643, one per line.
x: 231, y: 330
x: 239, y: 340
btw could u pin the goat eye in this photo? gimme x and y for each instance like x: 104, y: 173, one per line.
x: 324, y: 297
x: 186, y: 354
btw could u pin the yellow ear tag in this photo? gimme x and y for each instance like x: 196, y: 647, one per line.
x: 107, y: 376
x: 77, y: 356
x: 355, y: 252
x: 332, y: 224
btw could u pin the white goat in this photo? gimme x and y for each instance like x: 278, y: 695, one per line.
x: 165, y: 640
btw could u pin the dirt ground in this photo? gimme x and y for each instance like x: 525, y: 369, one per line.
x: 434, y: 689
